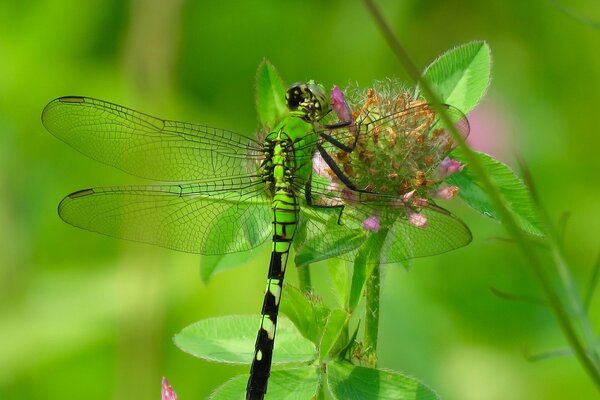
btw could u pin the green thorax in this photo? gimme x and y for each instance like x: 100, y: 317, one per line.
x: 288, y: 150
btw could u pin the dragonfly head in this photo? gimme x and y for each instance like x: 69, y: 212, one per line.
x: 308, y: 101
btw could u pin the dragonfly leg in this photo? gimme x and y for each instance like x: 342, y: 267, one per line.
x: 338, y: 144
x: 336, y: 169
x: 309, y: 200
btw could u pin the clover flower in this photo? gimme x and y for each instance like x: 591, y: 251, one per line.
x: 399, y: 150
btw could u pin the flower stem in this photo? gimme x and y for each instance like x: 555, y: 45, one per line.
x: 540, y: 270
x: 372, y: 316
x: 304, y: 279
x: 367, y: 275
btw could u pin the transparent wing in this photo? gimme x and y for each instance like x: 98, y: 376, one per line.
x: 392, y: 147
x: 194, y: 218
x: 337, y: 226
x: 146, y: 146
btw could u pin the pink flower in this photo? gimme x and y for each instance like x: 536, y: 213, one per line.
x: 449, y: 166
x: 320, y: 165
x: 340, y: 106
x: 167, y: 392
x: 417, y: 219
x: 372, y: 224
x: 447, y: 192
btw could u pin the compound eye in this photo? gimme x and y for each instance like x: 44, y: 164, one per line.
x: 296, y: 96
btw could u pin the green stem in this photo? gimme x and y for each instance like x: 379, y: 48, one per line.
x: 506, y: 217
x: 593, y: 283
x: 576, y: 304
x: 304, y: 279
x: 373, y: 290
x: 367, y: 276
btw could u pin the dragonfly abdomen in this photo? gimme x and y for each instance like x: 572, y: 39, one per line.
x: 278, y: 174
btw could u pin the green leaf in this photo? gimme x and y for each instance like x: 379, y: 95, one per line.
x: 289, y: 384
x: 270, y: 95
x: 210, y: 265
x: 514, y: 192
x: 348, y: 382
x: 460, y: 76
x: 231, y: 339
x: 307, y: 314
x: 333, y: 329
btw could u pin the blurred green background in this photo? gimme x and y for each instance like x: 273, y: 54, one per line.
x: 88, y: 317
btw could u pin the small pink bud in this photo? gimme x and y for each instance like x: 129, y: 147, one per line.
x: 407, y: 196
x: 167, y: 392
x: 417, y: 219
x: 340, y: 106
x: 449, y: 166
x: 447, y: 192
x: 372, y: 223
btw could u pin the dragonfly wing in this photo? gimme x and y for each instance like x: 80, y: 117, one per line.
x: 338, y: 226
x: 193, y: 218
x: 321, y: 234
x: 444, y: 232
x: 146, y: 146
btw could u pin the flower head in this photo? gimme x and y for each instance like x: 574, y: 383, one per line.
x: 396, y: 140
x: 166, y: 391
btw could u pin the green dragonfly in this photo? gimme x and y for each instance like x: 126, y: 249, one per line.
x: 225, y: 192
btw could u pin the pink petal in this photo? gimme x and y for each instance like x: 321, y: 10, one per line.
x: 409, y: 195
x: 340, y: 106
x: 417, y: 219
x: 372, y: 223
x: 449, y: 166
x: 167, y: 392
x: 320, y: 166
x: 447, y: 192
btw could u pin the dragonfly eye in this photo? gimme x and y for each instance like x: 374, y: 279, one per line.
x: 307, y: 101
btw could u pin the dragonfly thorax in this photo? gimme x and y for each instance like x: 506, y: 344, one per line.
x: 279, y: 165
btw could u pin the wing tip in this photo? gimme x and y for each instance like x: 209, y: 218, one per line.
x: 48, y: 108
x: 80, y: 193
x: 64, y: 203
x: 71, y: 99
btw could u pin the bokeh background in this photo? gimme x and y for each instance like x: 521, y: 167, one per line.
x: 88, y: 317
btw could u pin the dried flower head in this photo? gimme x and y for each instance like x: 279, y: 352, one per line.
x: 398, y: 147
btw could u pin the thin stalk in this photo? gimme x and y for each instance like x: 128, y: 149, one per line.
x: 371, y: 266
x: 593, y: 282
x: 554, y: 235
x: 304, y: 279
x: 578, y: 308
x: 373, y: 290
x: 506, y: 217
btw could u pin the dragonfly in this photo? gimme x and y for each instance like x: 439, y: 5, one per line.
x: 219, y: 191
